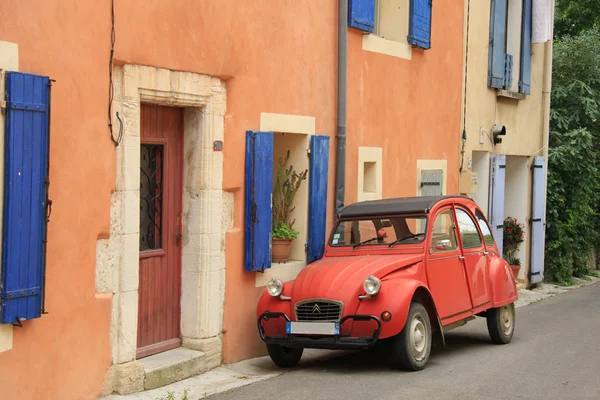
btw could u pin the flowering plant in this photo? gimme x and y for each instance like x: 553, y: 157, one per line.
x: 512, y: 238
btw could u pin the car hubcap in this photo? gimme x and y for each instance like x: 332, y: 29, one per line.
x: 506, y: 319
x: 418, y: 337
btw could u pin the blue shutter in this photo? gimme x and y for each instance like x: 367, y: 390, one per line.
x: 259, y: 189
x: 25, y: 196
x: 317, y: 196
x: 525, y: 78
x: 497, y: 186
x: 361, y: 14
x: 419, y: 33
x: 508, y: 68
x: 538, y: 203
x: 497, y: 44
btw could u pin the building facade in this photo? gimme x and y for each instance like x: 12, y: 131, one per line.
x: 168, y: 123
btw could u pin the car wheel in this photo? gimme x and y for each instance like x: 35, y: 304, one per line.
x: 501, y: 323
x: 412, y: 346
x: 284, y: 357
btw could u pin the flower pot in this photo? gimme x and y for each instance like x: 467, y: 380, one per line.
x: 280, y: 249
x: 515, y: 270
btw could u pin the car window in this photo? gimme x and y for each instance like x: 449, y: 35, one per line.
x: 485, y: 228
x: 469, y: 235
x: 443, y: 235
x: 378, y: 231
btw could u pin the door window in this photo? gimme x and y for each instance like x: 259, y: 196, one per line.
x: 485, y: 228
x: 443, y: 235
x: 469, y: 235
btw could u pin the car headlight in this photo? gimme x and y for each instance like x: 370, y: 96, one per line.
x: 372, y: 285
x: 275, y: 287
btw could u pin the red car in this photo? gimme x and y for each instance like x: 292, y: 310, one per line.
x: 406, y: 270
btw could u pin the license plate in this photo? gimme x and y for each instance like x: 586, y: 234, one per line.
x: 312, y: 328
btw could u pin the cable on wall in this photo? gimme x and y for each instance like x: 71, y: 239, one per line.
x: 464, y: 132
x: 111, y: 88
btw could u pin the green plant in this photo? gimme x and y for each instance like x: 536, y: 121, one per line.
x: 171, y: 396
x: 287, y: 183
x: 513, y: 233
x: 283, y: 231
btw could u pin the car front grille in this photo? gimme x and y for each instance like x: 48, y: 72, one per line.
x: 319, y: 310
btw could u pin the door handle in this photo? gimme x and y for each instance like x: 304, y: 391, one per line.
x: 461, y: 257
x: 485, y: 252
x: 178, y: 237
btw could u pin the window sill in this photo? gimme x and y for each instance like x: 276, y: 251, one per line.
x: 510, y: 95
x: 380, y: 45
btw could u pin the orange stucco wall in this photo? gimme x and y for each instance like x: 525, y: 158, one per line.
x: 277, y: 57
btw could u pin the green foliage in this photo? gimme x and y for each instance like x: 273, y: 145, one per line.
x: 287, y: 183
x: 283, y: 231
x: 513, y: 233
x: 171, y: 396
x: 573, y: 175
x: 573, y: 17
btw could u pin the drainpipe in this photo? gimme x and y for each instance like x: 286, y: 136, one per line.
x: 340, y: 160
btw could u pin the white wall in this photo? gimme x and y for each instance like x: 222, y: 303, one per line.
x: 516, y: 202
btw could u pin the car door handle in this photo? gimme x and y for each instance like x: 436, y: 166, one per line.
x: 461, y: 257
x: 485, y: 253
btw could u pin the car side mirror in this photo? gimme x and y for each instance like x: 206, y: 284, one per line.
x: 443, y: 245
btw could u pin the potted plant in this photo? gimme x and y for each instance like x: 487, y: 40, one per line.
x: 287, y: 183
x: 513, y: 233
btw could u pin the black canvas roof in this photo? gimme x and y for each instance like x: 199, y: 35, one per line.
x: 403, y: 205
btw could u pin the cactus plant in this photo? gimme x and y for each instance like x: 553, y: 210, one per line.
x: 287, y: 183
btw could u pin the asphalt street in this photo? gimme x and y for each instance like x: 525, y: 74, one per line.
x: 554, y: 354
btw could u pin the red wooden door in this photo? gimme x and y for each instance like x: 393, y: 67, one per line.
x: 161, y: 162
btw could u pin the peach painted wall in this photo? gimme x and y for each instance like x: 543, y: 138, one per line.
x: 277, y: 57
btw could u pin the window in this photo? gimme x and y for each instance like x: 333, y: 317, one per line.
x: 431, y: 182
x: 151, y: 174
x: 379, y: 231
x: 510, y: 45
x: 443, y: 235
x: 469, y: 235
x: 485, y: 228
x: 402, y: 21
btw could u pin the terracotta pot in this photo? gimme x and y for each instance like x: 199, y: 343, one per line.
x: 280, y: 249
x: 515, y: 270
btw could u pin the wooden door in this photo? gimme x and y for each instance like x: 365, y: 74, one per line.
x: 161, y: 170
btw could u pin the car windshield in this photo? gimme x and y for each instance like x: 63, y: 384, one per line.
x: 379, y: 231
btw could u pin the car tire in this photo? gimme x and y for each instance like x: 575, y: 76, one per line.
x: 501, y: 323
x: 412, y: 346
x: 284, y: 357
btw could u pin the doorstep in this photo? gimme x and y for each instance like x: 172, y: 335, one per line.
x: 225, y: 378
x: 172, y: 366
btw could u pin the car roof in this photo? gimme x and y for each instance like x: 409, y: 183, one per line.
x: 401, y: 205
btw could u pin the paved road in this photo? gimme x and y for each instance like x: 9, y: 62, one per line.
x: 554, y: 354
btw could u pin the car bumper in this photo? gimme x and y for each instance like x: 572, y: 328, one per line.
x: 330, y: 342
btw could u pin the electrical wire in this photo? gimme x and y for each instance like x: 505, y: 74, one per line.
x: 111, y: 88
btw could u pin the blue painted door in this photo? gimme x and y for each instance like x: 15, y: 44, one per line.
x: 538, y: 216
x: 25, y: 196
x: 497, y: 188
x: 258, y: 200
x: 317, y: 196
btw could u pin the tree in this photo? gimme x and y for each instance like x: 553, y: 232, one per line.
x: 573, y: 17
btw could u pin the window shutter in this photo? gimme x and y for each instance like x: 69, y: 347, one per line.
x: 361, y: 14
x: 317, y: 196
x: 258, y: 206
x: 537, y: 220
x: 525, y: 78
x: 497, y: 187
x: 419, y: 33
x: 508, y: 68
x: 431, y: 182
x: 497, y: 44
x: 25, y: 196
